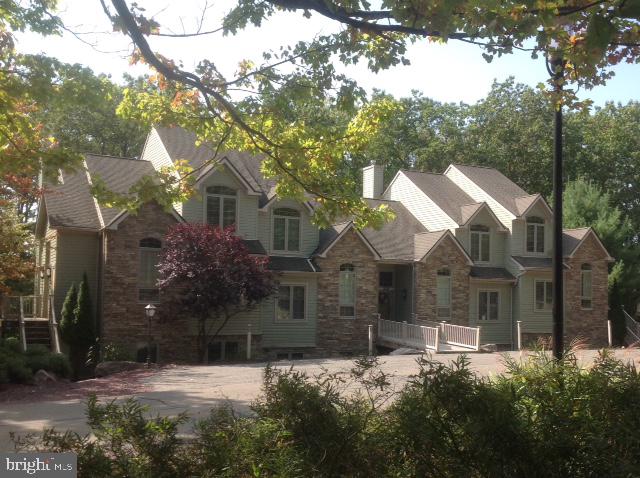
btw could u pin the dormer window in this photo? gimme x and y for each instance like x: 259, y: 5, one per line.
x: 480, y: 243
x: 286, y: 230
x: 535, y: 234
x: 220, y: 206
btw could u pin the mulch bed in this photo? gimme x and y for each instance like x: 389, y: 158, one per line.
x: 116, y: 385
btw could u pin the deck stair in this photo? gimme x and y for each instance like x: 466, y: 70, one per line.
x: 428, y: 336
x: 32, y: 319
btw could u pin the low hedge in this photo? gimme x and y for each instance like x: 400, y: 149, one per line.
x: 17, y: 366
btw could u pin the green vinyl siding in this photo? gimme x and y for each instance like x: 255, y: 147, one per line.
x: 532, y: 320
x: 497, y: 239
x: 239, y: 324
x: 308, y: 231
x: 291, y: 333
x: 193, y: 210
x: 74, y: 254
x: 492, y: 331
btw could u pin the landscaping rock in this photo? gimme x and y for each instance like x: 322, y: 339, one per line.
x: 490, y: 348
x: 108, y: 368
x: 42, y: 377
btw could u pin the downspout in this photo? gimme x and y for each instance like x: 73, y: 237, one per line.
x: 99, y: 286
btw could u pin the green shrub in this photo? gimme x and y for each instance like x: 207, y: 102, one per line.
x: 541, y: 418
x: 59, y: 364
x: 12, y: 344
x: 67, y: 316
x: 17, y: 370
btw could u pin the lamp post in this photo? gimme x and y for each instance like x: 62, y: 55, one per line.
x: 555, y: 66
x: 150, y: 311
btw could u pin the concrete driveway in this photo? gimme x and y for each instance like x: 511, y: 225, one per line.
x: 197, y: 389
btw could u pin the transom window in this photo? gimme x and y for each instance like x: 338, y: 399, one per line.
x: 290, y: 304
x: 480, y: 243
x: 544, y: 295
x: 488, y: 305
x: 286, y: 230
x: 148, y: 272
x: 347, y: 290
x: 586, y: 286
x: 443, y: 296
x: 221, y: 206
x: 535, y: 234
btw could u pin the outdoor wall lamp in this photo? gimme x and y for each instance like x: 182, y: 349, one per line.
x: 48, y: 271
x: 41, y: 273
x: 150, y: 311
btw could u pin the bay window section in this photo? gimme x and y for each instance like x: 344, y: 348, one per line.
x: 488, y: 304
x: 443, y: 296
x: 535, y: 234
x: 221, y: 206
x: 148, y: 291
x: 480, y: 243
x: 290, y: 304
x: 347, y: 291
x: 286, y: 230
x: 544, y: 295
x: 586, y: 295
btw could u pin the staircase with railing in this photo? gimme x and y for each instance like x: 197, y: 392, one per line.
x: 32, y: 319
x: 632, y: 329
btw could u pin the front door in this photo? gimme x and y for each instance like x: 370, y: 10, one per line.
x: 386, y: 295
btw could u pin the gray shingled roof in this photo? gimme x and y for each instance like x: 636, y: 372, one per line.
x: 119, y: 174
x: 394, y: 241
x: 571, y: 238
x: 255, y: 247
x: 444, y: 192
x: 180, y: 144
x: 496, y: 184
x: 491, y: 273
x: 424, y: 242
x: 69, y: 204
x: 291, y: 264
x: 329, y: 235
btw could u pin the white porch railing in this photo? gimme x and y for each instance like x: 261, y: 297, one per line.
x: 33, y: 308
x: 460, y: 335
x: 402, y: 333
x: 452, y: 334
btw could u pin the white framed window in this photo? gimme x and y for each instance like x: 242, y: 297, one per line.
x: 221, y: 204
x: 586, y: 287
x: 347, y: 291
x: 286, y: 230
x: 443, y: 295
x: 488, y: 305
x: 480, y: 243
x: 535, y: 234
x: 291, y: 302
x: 148, y: 291
x: 543, y: 295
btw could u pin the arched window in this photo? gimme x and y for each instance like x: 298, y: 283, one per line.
x: 286, y: 230
x: 443, y: 294
x: 220, y: 206
x: 535, y: 234
x: 480, y: 243
x: 148, y: 270
x: 347, y: 290
x: 586, y: 300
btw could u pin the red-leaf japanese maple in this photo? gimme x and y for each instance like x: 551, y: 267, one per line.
x: 212, y: 277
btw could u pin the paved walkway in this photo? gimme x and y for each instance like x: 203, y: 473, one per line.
x: 196, y: 389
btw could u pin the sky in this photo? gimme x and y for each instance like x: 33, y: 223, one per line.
x: 453, y: 72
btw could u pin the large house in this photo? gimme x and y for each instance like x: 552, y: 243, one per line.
x: 467, y: 246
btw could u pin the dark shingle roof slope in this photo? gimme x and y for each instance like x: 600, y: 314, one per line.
x: 571, y: 238
x: 291, y: 264
x: 444, y: 192
x: 496, y: 184
x: 181, y: 144
x: 394, y: 241
x: 491, y: 273
x: 119, y: 174
x: 69, y: 204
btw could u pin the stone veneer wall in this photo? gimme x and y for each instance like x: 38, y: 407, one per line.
x: 588, y: 324
x: 123, y: 317
x: 447, y: 254
x: 336, y: 335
